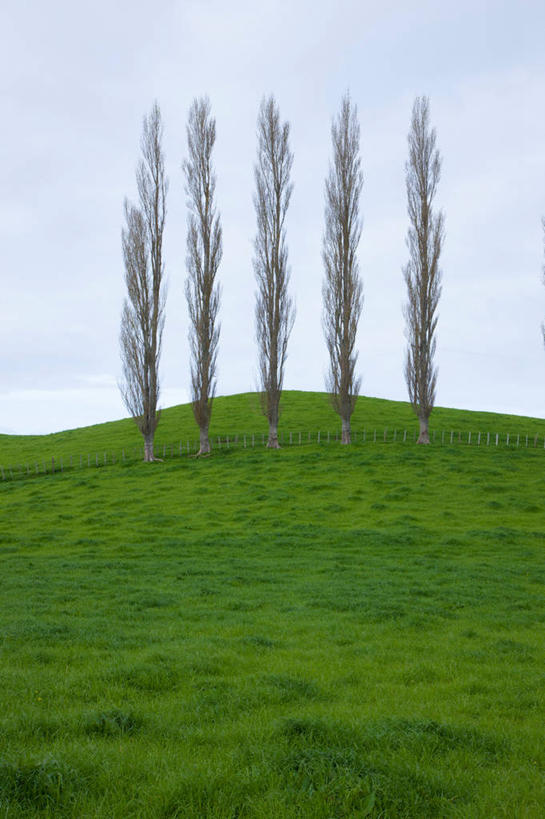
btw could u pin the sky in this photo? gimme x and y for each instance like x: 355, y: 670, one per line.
x: 76, y: 80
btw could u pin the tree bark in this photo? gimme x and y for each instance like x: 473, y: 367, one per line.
x: 423, y: 437
x: 272, y: 442
x: 204, y: 448
x: 148, y: 448
x: 346, y: 436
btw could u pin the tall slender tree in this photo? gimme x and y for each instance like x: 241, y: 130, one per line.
x: 143, y: 315
x: 422, y: 273
x: 204, y: 251
x: 342, y: 288
x: 275, y: 311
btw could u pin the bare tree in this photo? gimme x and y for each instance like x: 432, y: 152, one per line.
x: 342, y: 288
x: 204, y: 251
x: 422, y: 273
x: 274, y: 312
x: 143, y: 315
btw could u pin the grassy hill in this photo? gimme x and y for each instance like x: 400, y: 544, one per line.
x: 239, y: 414
x: 319, y: 631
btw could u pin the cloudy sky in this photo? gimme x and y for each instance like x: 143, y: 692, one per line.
x: 76, y: 80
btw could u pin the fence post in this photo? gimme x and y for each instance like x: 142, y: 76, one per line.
x: 526, y: 440
x: 395, y: 434
x: 518, y: 439
x: 318, y: 436
x: 52, y: 465
x: 507, y: 439
x: 469, y: 438
x: 497, y: 438
x: 299, y: 437
x: 375, y: 437
x: 36, y: 465
x: 536, y: 440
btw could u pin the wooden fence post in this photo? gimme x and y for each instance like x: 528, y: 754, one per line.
x: 469, y: 438
x: 318, y: 436
x: 507, y: 442
x: 497, y: 438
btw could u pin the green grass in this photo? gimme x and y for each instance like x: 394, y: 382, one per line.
x: 240, y: 414
x: 316, y: 632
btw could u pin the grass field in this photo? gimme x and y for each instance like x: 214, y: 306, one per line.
x: 322, y: 631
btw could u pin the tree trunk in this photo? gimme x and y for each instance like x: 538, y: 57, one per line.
x: 148, y: 448
x: 272, y: 442
x: 423, y: 437
x: 204, y: 448
x: 346, y: 438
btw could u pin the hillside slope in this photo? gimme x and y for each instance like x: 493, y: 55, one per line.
x: 312, y: 632
x: 239, y: 414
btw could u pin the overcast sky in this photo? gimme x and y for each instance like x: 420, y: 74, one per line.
x: 76, y: 79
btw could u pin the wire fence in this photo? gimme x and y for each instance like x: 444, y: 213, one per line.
x: 189, y: 448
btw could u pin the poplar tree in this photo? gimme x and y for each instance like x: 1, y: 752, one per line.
x: 342, y: 288
x: 143, y: 315
x: 274, y: 312
x: 422, y: 273
x: 204, y: 251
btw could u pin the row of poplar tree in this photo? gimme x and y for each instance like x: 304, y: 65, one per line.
x: 143, y: 312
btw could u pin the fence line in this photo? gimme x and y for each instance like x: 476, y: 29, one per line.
x: 246, y: 440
